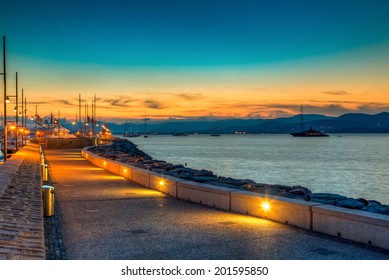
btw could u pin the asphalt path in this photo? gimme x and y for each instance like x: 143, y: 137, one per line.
x: 106, y: 217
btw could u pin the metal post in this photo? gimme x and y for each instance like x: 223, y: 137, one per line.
x: 79, y: 124
x: 5, y: 105
x: 22, y: 118
x: 25, y: 120
x: 48, y: 200
x: 36, y: 121
x: 17, y: 115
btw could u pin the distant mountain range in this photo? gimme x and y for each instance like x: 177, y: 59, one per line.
x: 348, y: 123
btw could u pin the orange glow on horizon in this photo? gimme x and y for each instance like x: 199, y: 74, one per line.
x: 354, y: 81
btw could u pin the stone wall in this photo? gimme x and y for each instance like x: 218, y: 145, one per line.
x: 71, y: 143
x: 21, y: 219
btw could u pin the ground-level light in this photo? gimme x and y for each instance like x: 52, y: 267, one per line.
x: 265, y: 206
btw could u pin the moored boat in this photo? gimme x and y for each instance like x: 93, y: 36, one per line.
x: 309, y: 133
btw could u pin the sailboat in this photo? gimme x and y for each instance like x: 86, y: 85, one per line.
x: 130, y: 134
x: 311, y: 132
x: 145, y: 135
x: 215, y: 131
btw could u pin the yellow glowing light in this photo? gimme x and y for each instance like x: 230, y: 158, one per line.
x: 125, y: 170
x: 161, y: 182
x: 12, y: 127
x: 266, y: 206
x: 105, y: 163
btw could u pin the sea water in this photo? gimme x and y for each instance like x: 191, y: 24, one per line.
x: 351, y: 165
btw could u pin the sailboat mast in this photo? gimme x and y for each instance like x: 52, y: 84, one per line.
x: 302, y: 117
x: 145, y: 125
x: 5, y: 104
x: 79, y: 124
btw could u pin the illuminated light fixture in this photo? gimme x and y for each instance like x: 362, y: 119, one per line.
x: 7, y: 100
x: 12, y: 126
x: 265, y: 206
x: 15, y: 109
x: 125, y: 170
x: 105, y: 163
x: 161, y: 182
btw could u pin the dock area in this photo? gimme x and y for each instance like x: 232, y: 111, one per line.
x: 103, y: 216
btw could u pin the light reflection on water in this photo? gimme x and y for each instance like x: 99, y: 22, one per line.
x: 351, y: 165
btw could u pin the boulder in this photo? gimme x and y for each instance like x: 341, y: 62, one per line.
x: 350, y: 203
x: 364, y: 201
x: 204, y: 179
x: 374, y: 203
x: 380, y: 209
x: 298, y: 192
x: 326, y: 196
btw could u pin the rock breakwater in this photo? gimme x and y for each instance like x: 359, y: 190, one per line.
x: 127, y: 152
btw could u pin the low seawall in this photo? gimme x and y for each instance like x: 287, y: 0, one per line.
x: 356, y: 225
x: 65, y: 143
x: 21, y: 217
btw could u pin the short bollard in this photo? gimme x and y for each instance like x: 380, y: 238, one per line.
x: 44, y: 172
x: 42, y: 159
x: 48, y: 200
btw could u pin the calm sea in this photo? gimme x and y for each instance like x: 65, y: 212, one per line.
x: 351, y: 165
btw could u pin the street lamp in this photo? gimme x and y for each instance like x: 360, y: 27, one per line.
x: 6, y: 100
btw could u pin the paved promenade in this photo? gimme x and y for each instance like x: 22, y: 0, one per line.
x: 21, y: 221
x: 104, y: 216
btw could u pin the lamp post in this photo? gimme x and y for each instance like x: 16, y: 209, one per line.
x: 25, y: 119
x: 5, y: 104
x: 7, y: 100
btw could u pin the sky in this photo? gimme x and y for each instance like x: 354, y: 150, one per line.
x: 198, y: 58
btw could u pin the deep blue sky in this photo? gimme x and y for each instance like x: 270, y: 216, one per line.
x: 64, y: 36
x: 201, y: 32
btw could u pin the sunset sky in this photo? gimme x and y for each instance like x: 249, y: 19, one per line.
x: 196, y: 58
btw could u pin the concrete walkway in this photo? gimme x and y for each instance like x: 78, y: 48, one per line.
x: 21, y: 221
x: 104, y: 216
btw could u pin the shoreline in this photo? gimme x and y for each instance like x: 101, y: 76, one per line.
x: 124, y: 151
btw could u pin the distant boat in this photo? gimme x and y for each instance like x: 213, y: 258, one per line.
x: 105, y: 132
x: 126, y: 134
x: 311, y: 132
x: 130, y: 134
x: 145, y: 135
x: 180, y: 134
x: 215, y: 131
